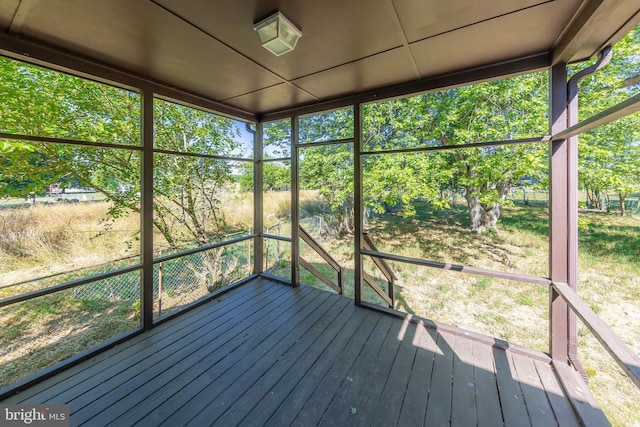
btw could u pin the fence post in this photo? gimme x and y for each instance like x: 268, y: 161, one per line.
x: 160, y: 288
x: 249, y: 254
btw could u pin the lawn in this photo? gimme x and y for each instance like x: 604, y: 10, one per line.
x: 609, y: 260
x: 37, y: 333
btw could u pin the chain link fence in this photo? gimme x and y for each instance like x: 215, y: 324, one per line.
x: 117, y: 285
x: 182, y: 280
x: 176, y: 282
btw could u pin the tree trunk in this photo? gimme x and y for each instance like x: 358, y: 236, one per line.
x: 483, y: 217
x: 622, y: 199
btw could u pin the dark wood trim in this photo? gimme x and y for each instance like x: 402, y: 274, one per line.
x: 575, y: 32
x: 358, y: 210
x: 319, y: 275
x: 52, y: 140
x: 381, y: 263
x: 67, y: 285
x: 276, y: 237
x: 622, y: 109
x: 460, y: 268
x: 621, y: 352
x: 319, y: 143
x: 558, y: 214
x: 146, y: 208
x: 295, y: 200
x: 202, y: 248
x: 258, y: 196
x: 279, y: 159
x: 304, y: 235
x: 544, y: 138
x: 42, y: 375
x: 275, y: 278
x: 371, y: 281
x: 204, y: 156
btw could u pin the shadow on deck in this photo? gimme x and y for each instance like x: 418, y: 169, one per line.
x: 269, y: 354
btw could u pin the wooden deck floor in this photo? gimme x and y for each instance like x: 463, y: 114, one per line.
x: 269, y: 354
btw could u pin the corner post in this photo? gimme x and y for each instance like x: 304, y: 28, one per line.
x: 559, y: 215
x: 258, y: 202
x: 357, y: 203
x: 295, y: 203
x: 146, y: 209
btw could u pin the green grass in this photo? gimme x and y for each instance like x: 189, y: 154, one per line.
x: 51, y: 328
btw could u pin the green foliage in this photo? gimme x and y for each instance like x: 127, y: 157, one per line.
x: 610, y: 155
x: 40, y: 102
x: 275, y: 176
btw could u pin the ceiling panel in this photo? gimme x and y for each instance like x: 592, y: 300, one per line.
x: 7, y: 11
x: 425, y: 18
x: 492, y: 41
x: 141, y: 36
x: 334, y: 32
x: 373, y: 72
x: 599, y: 31
x: 208, y: 47
x: 272, y: 99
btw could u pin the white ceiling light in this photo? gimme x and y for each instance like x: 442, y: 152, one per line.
x: 277, y: 34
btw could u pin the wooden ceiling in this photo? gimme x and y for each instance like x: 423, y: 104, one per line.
x: 209, y: 47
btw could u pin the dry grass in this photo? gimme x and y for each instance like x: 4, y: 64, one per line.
x: 517, y: 312
x: 44, y: 239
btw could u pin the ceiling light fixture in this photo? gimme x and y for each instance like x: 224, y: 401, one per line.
x: 277, y: 34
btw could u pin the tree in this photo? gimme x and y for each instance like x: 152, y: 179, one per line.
x: 500, y: 110
x: 35, y: 101
x: 610, y: 155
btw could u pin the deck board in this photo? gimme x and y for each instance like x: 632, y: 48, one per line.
x: 463, y: 407
x: 511, y: 398
x: 536, y: 400
x: 487, y: 398
x: 439, y: 403
x: 414, y: 406
x: 269, y: 354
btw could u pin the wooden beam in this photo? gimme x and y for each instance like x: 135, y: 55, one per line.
x: 319, y: 275
x: 460, y: 268
x: 558, y: 214
x: 578, y: 29
x: 304, y: 235
x: 621, y: 352
x: 358, y: 210
x: 380, y: 263
x: 622, y: 109
x: 372, y: 282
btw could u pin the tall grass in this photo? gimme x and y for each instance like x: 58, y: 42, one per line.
x: 44, y: 239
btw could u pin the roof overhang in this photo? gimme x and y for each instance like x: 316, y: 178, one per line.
x: 359, y: 50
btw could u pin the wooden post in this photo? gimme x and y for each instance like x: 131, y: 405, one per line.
x: 160, y: 288
x: 357, y: 204
x: 258, y: 199
x: 146, y: 209
x: 295, y: 204
x: 559, y: 214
